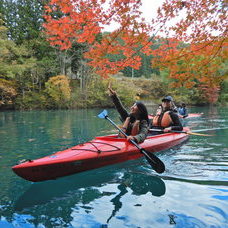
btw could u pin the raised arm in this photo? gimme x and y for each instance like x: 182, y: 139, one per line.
x: 120, y: 108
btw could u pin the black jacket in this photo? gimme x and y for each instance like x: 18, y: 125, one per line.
x: 143, y: 125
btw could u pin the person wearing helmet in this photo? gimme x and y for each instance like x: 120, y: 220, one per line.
x: 167, y: 119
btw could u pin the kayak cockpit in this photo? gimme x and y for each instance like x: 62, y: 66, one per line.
x: 111, y: 138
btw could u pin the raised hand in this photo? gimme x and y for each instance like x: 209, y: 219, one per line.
x: 111, y: 91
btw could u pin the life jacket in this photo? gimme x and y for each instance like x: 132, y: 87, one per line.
x: 132, y: 129
x: 163, y: 120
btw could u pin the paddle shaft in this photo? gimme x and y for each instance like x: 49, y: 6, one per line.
x: 185, y: 132
x: 132, y: 141
x: 160, y: 130
x: 122, y: 132
x: 153, y: 160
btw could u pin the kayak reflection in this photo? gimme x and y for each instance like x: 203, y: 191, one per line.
x: 84, y: 188
x: 62, y: 188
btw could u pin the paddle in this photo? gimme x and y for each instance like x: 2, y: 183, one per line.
x: 211, y: 129
x: 153, y: 160
x: 186, y: 132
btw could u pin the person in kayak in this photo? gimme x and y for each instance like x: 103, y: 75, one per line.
x: 166, y: 118
x: 136, y: 122
x: 182, y: 110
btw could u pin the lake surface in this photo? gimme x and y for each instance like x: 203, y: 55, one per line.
x: 192, y: 192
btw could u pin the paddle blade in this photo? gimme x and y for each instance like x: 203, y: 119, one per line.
x: 154, y: 161
x: 193, y: 133
x: 103, y: 114
x: 210, y: 129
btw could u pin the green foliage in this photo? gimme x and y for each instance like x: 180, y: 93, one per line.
x: 164, y: 76
x: 31, y: 100
x: 58, y: 90
x: 15, y: 60
x: 30, y: 56
x: 191, y: 96
x: 23, y: 18
x: 126, y: 89
x: 97, y: 94
x: 224, y: 92
x: 27, y: 62
x: 8, y: 91
x: 145, y: 70
x: 153, y: 88
x: 224, y: 86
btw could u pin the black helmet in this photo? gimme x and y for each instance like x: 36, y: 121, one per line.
x: 167, y: 98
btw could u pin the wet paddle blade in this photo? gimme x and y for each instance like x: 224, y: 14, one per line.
x: 103, y: 114
x: 185, y: 132
x: 154, y: 161
x: 193, y: 133
x: 210, y: 129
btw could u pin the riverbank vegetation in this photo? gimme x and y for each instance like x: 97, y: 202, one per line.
x: 46, y: 62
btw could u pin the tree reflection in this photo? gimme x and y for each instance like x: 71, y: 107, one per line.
x: 140, y: 184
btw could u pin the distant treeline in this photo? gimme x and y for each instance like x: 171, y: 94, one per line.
x: 34, y: 75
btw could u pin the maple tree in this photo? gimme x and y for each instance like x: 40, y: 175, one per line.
x: 193, y: 65
x: 204, y: 31
x: 189, y: 65
x: 82, y: 21
x: 196, y: 40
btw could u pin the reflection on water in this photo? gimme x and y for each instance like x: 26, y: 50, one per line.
x: 191, y: 193
x: 140, y: 184
x: 48, y: 191
x: 85, y: 188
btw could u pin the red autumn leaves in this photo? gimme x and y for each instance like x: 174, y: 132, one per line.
x: 192, y: 51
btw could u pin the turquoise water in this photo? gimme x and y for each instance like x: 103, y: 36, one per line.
x: 192, y: 192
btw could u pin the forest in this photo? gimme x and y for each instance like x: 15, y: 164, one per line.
x: 56, y: 55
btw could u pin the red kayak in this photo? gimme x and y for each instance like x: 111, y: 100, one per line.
x: 101, y: 151
x: 193, y: 115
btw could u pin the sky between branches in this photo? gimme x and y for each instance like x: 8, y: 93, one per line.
x: 149, y: 9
